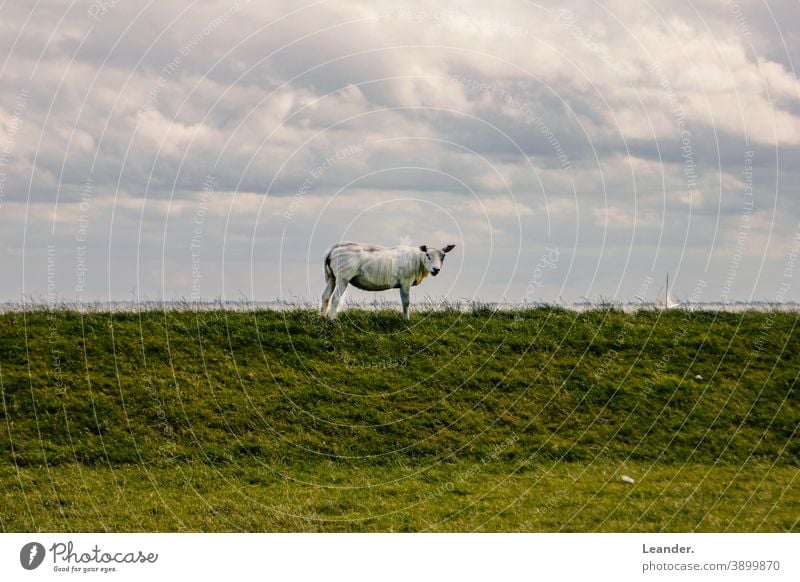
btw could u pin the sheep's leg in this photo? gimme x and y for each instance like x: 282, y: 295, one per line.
x: 341, y: 287
x: 330, y: 285
x: 405, y: 298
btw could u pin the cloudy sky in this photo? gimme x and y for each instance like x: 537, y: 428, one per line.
x: 216, y: 149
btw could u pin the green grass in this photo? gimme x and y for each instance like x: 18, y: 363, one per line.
x: 507, y: 421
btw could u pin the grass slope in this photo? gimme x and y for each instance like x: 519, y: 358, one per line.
x: 513, y: 421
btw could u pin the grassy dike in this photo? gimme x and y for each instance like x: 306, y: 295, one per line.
x: 508, y: 421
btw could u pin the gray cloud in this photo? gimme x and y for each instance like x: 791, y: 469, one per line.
x: 621, y: 133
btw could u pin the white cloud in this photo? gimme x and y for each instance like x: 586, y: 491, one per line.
x: 583, y: 110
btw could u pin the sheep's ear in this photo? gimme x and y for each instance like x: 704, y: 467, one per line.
x: 423, y: 248
x: 448, y: 248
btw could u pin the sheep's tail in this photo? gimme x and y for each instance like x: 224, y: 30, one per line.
x: 328, y: 268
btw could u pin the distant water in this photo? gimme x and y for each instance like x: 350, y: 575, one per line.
x: 466, y: 306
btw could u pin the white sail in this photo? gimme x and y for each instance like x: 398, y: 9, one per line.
x: 668, y: 302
